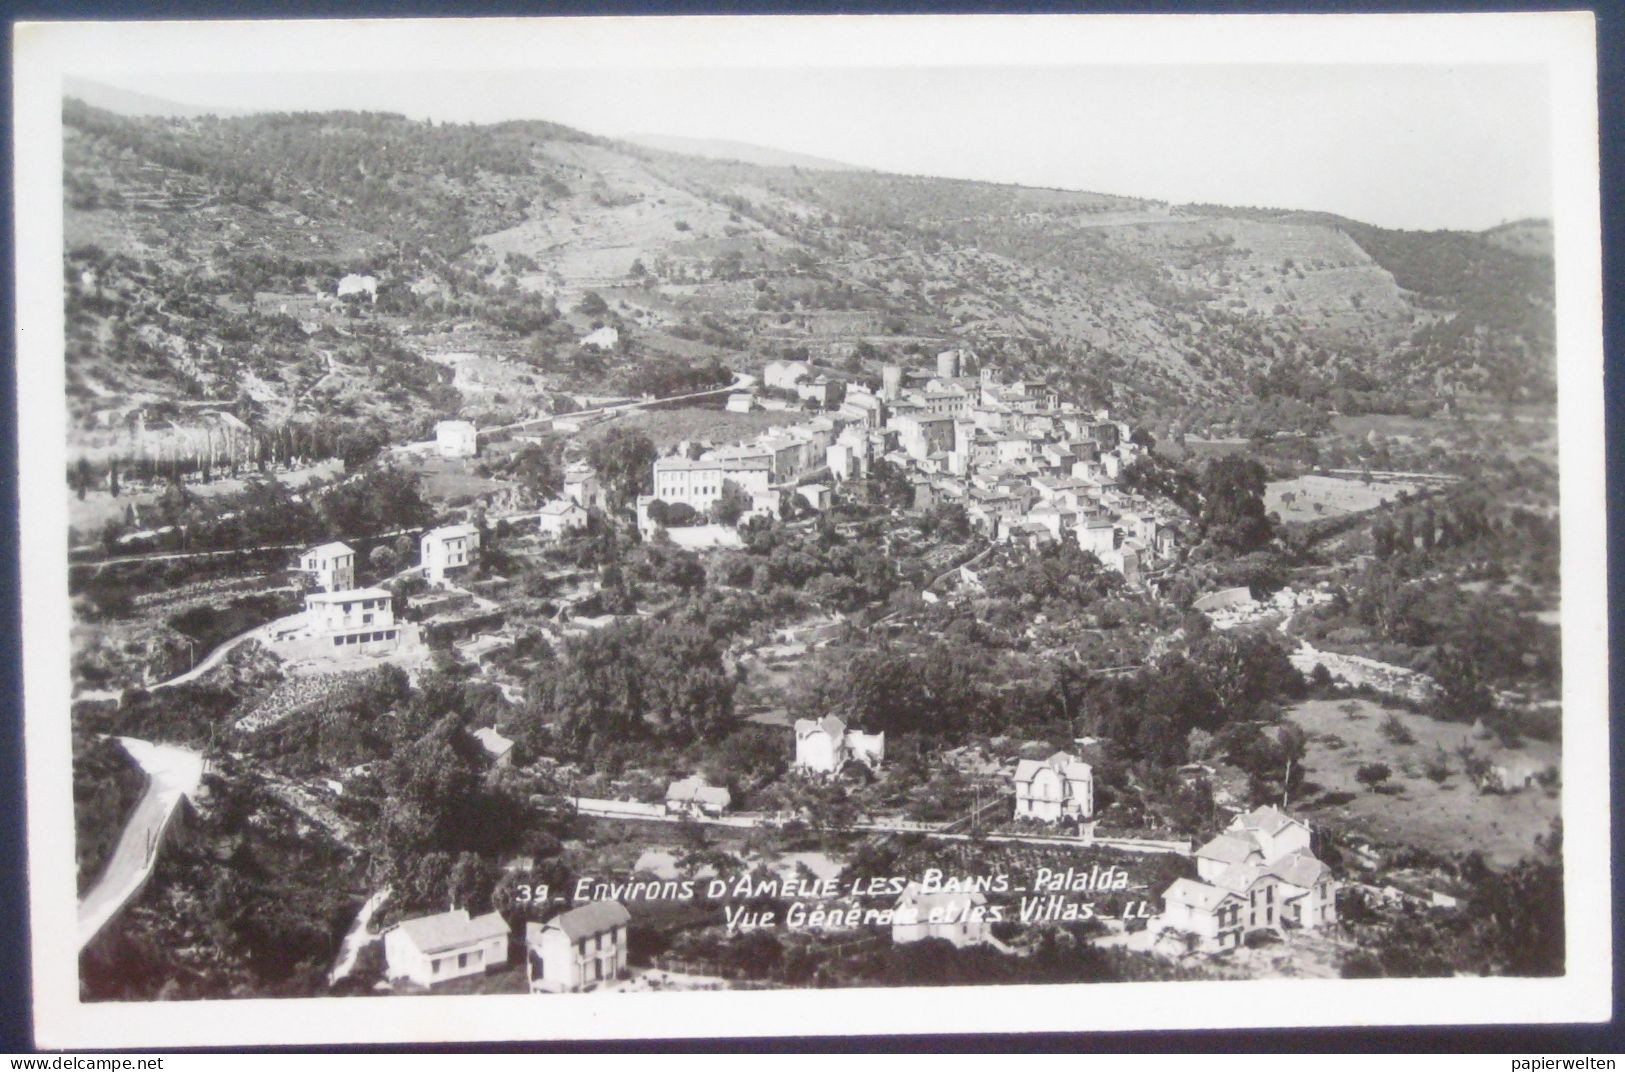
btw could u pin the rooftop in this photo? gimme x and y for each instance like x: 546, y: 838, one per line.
x: 448, y: 930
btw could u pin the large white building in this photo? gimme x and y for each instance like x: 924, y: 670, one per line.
x: 1259, y: 874
x: 434, y: 949
x: 359, y: 616
x: 446, y: 549
x: 699, y: 483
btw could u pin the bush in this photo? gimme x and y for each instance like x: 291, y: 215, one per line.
x: 1396, y: 731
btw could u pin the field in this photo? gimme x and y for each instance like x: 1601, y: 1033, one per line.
x: 90, y: 514
x: 1448, y: 817
x: 454, y: 480
x: 1307, y: 498
x: 668, y: 427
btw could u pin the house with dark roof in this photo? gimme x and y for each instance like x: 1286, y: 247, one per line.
x: 577, y: 950
x: 432, y: 949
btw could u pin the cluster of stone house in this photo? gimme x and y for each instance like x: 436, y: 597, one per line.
x: 1260, y: 874
x: 1027, y: 467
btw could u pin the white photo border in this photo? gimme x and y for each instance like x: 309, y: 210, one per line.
x: 1562, y: 43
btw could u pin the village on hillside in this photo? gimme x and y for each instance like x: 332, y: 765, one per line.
x: 604, y: 580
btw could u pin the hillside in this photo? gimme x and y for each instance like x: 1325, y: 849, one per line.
x: 204, y: 257
x: 740, y: 151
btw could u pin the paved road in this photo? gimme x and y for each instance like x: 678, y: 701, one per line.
x: 654, y: 813
x: 172, y: 773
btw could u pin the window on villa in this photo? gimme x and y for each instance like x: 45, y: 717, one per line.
x: 462, y: 960
x: 434, y: 967
x: 337, y: 641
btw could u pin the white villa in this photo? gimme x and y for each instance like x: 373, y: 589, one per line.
x: 433, y: 949
x: 451, y: 547
x: 825, y: 745
x: 1060, y: 787
x: 456, y: 439
x: 331, y: 566
x: 1259, y: 874
x: 578, y: 949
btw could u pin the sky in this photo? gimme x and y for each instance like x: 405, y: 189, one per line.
x: 1415, y: 146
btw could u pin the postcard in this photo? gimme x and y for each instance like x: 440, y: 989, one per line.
x: 595, y: 528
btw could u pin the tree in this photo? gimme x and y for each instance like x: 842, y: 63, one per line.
x: 624, y: 460
x: 1371, y: 775
x: 383, y: 560
x: 732, y: 505
x: 1232, y: 512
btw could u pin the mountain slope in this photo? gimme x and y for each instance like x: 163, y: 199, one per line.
x: 738, y: 151
x: 214, y: 248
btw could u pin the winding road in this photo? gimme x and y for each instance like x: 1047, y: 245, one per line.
x: 172, y: 773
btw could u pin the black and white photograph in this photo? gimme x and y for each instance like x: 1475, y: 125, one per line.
x: 719, y: 526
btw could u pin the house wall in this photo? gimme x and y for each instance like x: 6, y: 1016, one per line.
x: 1043, y: 796
x: 1288, y: 839
x: 406, y: 960
x: 816, y: 751
x: 568, y: 965
x: 333, y: 617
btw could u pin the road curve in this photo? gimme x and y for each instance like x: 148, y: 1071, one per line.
x: 172, y: 773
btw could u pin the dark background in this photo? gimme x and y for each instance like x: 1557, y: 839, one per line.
x: 16, y: 1031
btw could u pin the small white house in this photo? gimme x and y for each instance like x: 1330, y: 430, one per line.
x: 447, y: 549
x: 960, y: 916
x: 331, y: 566
x: 456, y: 439
x: 433, y: 949
x: 692, y: 796
x: 825, y: 745
x: 561, y: 516
x: 578, y: 949
x: 1060, y: 787
x: 741, y: 402
x: 497, y: 747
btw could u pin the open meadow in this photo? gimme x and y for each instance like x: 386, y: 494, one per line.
x: 1445, y: 816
